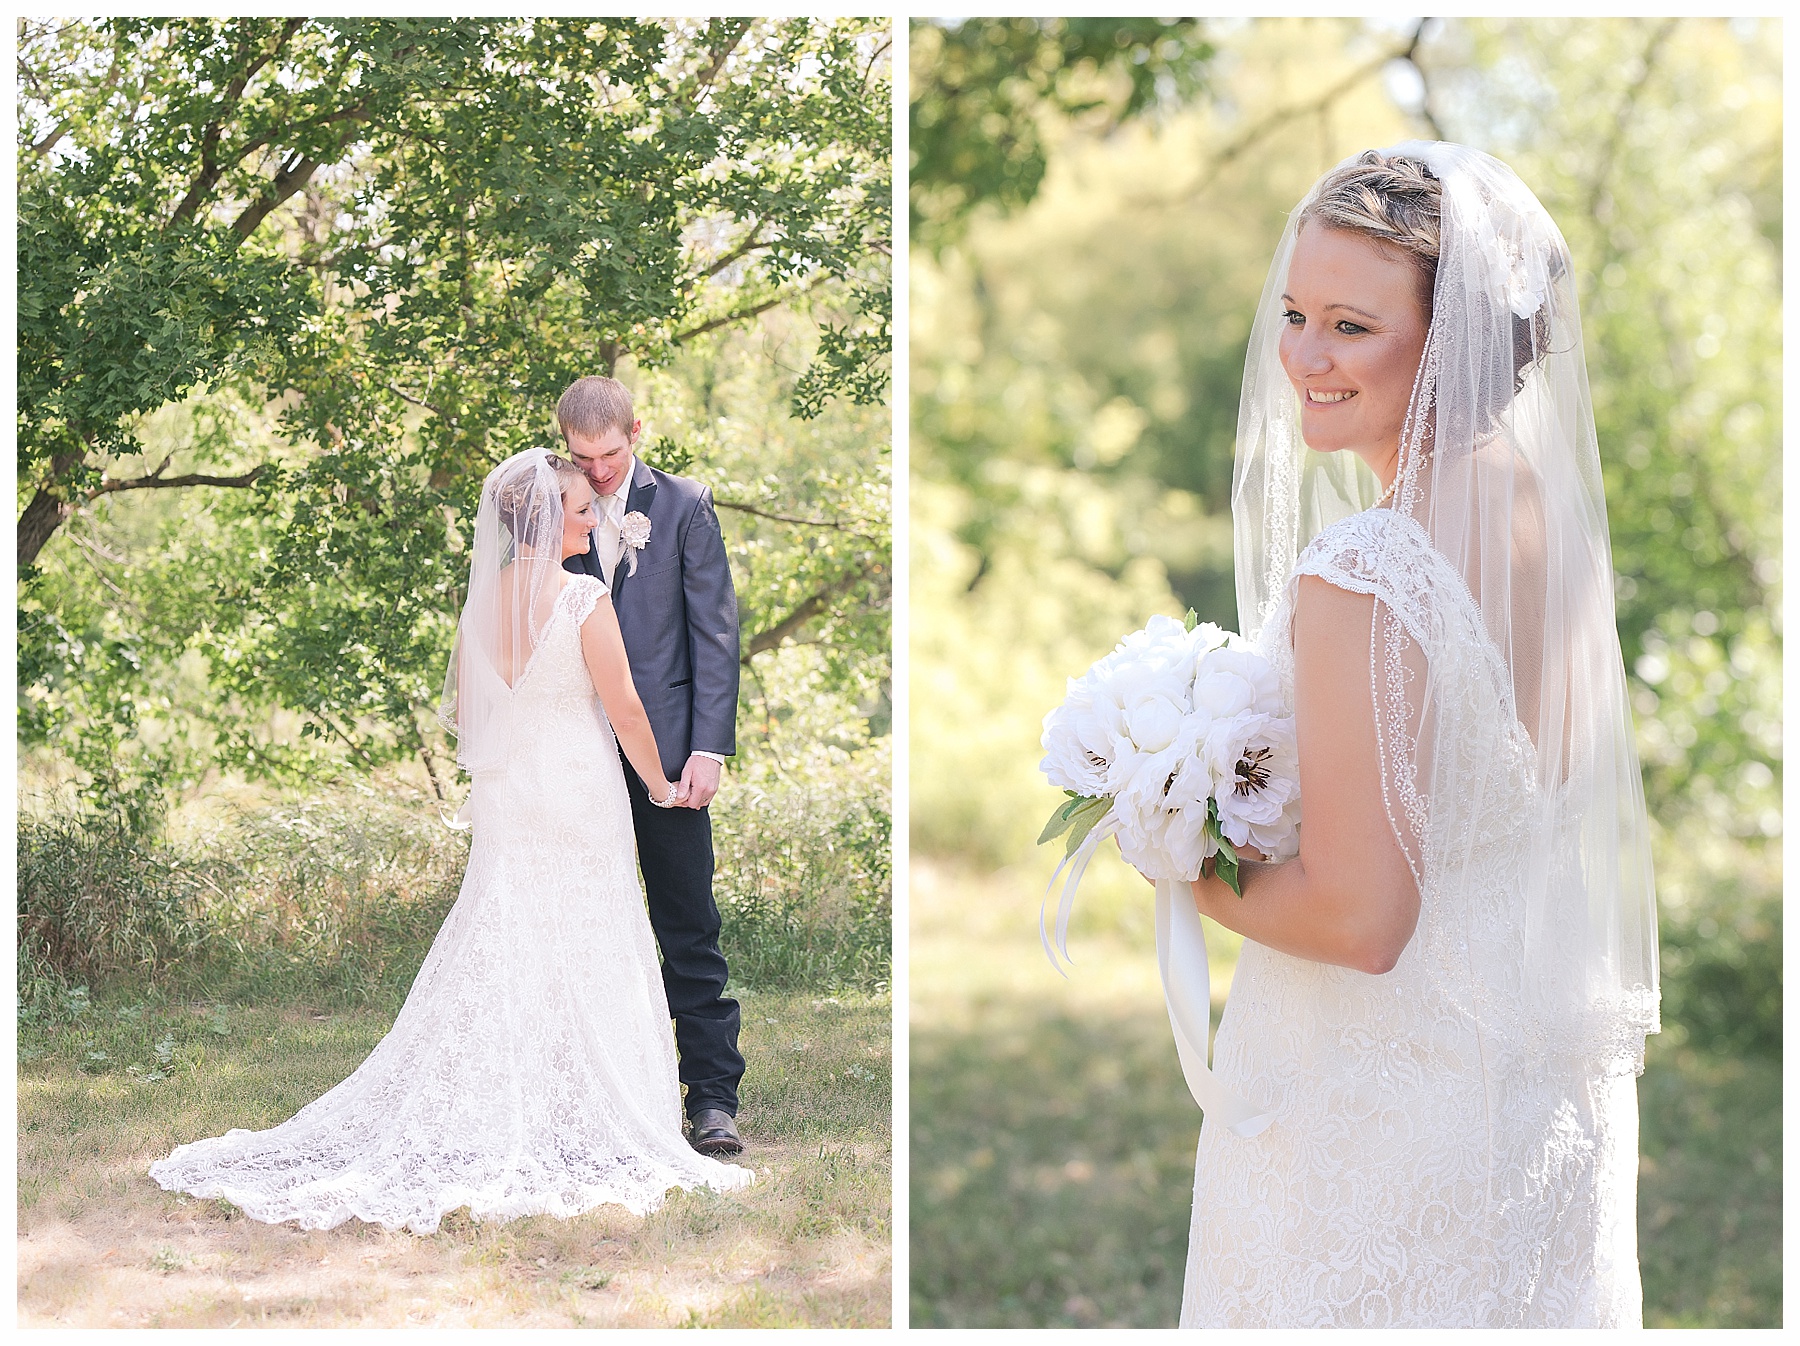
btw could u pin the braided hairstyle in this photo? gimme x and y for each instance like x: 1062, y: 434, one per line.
x: 1398, y: 202
x: 1392, y: 199
x: 515, y: 496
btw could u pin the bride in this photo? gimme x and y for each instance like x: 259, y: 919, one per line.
x: 1441, y: 1003
x: 532, y: 1068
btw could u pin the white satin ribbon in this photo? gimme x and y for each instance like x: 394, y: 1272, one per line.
x: 1187, y: 989
x: 1076, y: 862
x: 1186, y: 978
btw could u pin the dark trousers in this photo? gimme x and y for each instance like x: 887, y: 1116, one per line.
x: 676, y: 856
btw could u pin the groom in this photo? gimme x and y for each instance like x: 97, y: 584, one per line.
x: 658, y: 547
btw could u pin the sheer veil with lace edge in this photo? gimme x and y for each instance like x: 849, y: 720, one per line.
x: 1500, y: 469
x: 515, y: 573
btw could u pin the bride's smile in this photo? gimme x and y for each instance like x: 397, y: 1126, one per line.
x: 1356, y: 316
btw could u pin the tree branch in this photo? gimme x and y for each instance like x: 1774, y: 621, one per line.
x: 749, y: 245
x: 742, y: 314
x: 356, y: 749
x: 156, y: 481
x: 721, y: 53
x: 1281, y: 116
x: 210, y: 167
x: 1609, y: 148
x: 48, y: 143
x: 421, y: 404
x: 1411, y: 57
x: 785, y: 518
x: 726, y: 320
x: 46, y: 510
x: 290, y: 179
x: 809, y: 608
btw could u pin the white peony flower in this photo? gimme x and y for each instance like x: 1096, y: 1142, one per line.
x: 1167, y: 724
x: 1080, y: 745
x: 1230, y: 681
x: 1256, y: 770
x: 1154, y: 721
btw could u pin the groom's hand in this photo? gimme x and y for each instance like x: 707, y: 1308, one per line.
x: 700, y: 779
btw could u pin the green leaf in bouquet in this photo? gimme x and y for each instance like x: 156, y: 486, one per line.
x: 1191, y: 620
x: 1225, y: 865
x: 1059, y: 821
x: 1225, y: 862
x: 1077, y: 818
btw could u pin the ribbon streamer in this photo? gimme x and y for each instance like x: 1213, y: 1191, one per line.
x: 1187, y: 989
x: 1186, y: 978
x: 1076, y: 862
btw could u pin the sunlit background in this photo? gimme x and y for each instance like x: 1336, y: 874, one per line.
x: 1095, y: 206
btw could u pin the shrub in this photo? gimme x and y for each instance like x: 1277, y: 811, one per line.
x: 335, y: 899
x: 99, y: 900
x: 803, y: 879
x: 1722, y: 973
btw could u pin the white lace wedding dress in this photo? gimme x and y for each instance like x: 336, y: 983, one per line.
x: 532, y: 1068
x: 1441, y: 1154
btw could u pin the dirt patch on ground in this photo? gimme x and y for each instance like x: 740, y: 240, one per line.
x: 101, y: 1245
x: 202, y: 1264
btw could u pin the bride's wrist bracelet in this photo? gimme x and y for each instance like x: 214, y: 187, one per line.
x: 669, y: 801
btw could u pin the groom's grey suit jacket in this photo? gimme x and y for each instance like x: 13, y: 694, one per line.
x: 678, y: 615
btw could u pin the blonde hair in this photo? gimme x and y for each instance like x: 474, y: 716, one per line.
x: 517, y: 499
x: 567, y: 474
x: 1390, y: 198
x: 1399, y: 203
x: 593, y: 405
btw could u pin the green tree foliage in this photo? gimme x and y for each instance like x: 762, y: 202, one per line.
x: 982, y: 86
x: 366, y: 256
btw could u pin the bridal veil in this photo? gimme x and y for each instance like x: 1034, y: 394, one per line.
x: 515, y: 574
x: 1500, y: 468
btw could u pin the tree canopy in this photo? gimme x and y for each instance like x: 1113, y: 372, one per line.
x: 377, y: 250
x: 984, y: 88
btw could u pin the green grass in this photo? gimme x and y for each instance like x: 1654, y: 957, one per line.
x: 102, y: 1245
x: 1052, y: 1138
x: 1709, y: 1190
x: 1052, y: 1168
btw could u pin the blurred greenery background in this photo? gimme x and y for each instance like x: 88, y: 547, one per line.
x: 289, y: 289
x: 1094, y: 206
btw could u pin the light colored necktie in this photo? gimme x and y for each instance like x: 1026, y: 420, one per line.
x: 609, y: 536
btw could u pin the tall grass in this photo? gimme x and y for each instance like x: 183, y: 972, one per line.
x: 804, y: 888
x: 334, y: 900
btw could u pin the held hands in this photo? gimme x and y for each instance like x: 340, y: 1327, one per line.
x: 667, y: 794
x: 699, y: 782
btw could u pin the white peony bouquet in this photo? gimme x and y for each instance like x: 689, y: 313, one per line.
x: 1178, y: 744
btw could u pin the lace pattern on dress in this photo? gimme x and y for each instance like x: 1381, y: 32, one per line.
x: 532, y: 1069
x: 1443, y: 1152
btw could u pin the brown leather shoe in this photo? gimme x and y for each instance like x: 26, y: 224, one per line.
x: 714, y: 1133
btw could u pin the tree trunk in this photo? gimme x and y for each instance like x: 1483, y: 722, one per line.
x: 38, y: 524
x: 47, y: 511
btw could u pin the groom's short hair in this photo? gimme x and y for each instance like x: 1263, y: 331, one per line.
x: 592, y: 406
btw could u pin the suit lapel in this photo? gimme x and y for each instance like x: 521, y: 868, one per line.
x: 637, y: 499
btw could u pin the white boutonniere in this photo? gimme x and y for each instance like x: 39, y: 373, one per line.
x: 634, y: 532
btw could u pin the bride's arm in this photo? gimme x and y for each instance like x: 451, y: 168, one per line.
x: 604, y: 650
x: 1349, y: 897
